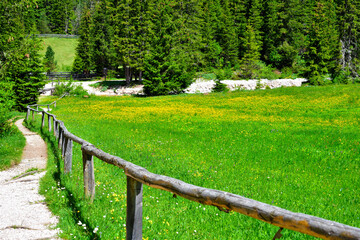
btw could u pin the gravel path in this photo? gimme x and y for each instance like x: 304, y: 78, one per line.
x: 24, y: 214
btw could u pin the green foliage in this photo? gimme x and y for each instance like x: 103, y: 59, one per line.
x: 220, y: 87
x: 6, y: 104
x: 71, y: 88
x: 26, y: 74
x: 323, y: 50
x: 101, y: 33
x: 12, y: 144
x: 82, y: 61
x: 49, y: 60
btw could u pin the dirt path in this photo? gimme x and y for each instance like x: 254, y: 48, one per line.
x: 23, y: 213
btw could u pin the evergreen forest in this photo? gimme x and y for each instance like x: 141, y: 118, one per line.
x: 166, y: 43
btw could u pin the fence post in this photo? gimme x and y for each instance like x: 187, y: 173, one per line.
x: 60, y: 133
x: 27, y: 114
x: 89, y: 177
x: 33, y: 115
x: 42, y: 119
x: 134, y: 209
x: 49, y: 122
x: 48, y: 107
x: 68, y: 155
x: 55, y: 104
x: 55, y: 128
x: 63, y: 146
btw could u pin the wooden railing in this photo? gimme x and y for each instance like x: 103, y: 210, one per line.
x: 224, y: 201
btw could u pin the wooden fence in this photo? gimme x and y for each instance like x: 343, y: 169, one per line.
x: 224, y: 201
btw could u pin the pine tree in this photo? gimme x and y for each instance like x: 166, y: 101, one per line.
x: 323, y: 51
x: 101, y: 38
x: 348, y: 13
x: 49, y: 60
x: 252, y: 53
x: 26, y: 74
x: 226, y: 35
x: 82, y: 61
x: 164, y: 72
x: 131, y: 39
x: 211, y: 48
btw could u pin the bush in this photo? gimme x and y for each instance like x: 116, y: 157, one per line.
x: 165, y: 78
x: 72, y: 89
x: 220, y: 87
x: 6, y: 103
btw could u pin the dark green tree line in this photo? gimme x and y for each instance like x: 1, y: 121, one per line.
x: 316, y: 39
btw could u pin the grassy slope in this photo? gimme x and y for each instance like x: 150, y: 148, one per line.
x: 64, y: 49
x: 11, y: 148
x: 296, y: 148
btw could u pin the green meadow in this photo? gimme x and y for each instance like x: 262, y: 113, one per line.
x: 64, y: 48
x: 295, y: 148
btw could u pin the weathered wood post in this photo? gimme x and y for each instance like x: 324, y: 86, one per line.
x: 55, y: 104
x: 42, y: 119
x: 27, y: 114
x: 56, y: 132
x: 49, y: 122
x: 33, y: 118
x: 89, y: 177
x: 63, y: 145
x: 134, y: 209
x: 48, y: 107
x: 68, y: 155
x: 60, y: 137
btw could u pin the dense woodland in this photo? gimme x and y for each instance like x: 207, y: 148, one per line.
x: 167, y: 42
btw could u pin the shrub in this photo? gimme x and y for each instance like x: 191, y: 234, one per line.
x: 6, y: 103
x: 72, y: 89
x: 220, y: 87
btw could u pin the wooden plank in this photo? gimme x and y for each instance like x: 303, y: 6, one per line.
x: 89, y: 177
x: 68, y: 155
x: 134, y: 209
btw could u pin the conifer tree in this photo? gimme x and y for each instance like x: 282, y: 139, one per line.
x: 26, y: 74
x: 131, y: 39
x: 252, y: 53
x: 323, y: 51
x: 348, y: 13
x: 49, y: 60
x: 226, y: 36
x: 82, y: 61
x: 211, y: 47
x: 101, y: 38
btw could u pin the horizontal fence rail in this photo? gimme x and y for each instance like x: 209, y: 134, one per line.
x: 224, y: 201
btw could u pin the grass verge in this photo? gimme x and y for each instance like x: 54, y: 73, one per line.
x: 12, y: 144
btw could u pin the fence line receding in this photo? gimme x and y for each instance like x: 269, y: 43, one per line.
x: 224, y: 201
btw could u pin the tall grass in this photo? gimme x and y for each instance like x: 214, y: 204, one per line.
x: 64, y: 48
x: 296, y: 148
x: 12, y: 144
